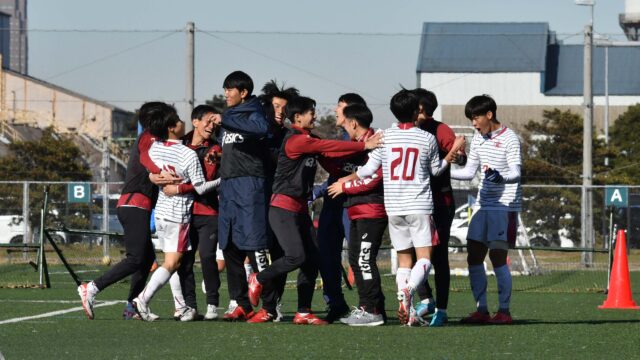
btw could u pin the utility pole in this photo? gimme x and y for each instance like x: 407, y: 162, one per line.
x: 105, y: 195
x: 190, y: 74
x: 587, y: 171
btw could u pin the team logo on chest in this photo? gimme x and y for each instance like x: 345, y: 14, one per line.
x: 232, y: 138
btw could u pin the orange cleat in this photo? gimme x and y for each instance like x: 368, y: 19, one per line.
x: 261, y: 316
x: 308, y: 319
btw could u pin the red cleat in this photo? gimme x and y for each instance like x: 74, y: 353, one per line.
x: 500, y: 319
x: 476, y: 318
x: 261, y: 316
x: 308, y: 319
x: 238, y: 314
x: 255, y: 289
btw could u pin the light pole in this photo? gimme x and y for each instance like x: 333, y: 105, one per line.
x: 586, y: 216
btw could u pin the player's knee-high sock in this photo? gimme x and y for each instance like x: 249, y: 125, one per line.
x: 478, y: 279
x: 503, y: 276
x: 402, y: 277
x: 419, y: 272
x: 176, y: 290
x: 158, y: 279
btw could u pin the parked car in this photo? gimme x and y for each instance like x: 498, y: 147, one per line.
x: 12, y: 231
x: 459, y: 228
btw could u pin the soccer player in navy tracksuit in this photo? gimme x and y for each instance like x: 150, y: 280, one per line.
x: 289, y: 215
x: 242, y: 223
x: 333, y: 228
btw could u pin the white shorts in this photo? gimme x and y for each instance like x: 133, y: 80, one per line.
x: 219, y: 255
x: 411, y: 231
x: 497, y: 229
x: 172, y: 236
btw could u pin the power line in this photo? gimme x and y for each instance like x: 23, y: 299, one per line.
x: 303, y: 33
x: 288, y: 64
x: 109, y: 56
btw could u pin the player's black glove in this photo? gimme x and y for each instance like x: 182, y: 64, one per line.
x: 493, y: 176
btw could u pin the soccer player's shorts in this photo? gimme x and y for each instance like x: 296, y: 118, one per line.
x: 219, y: 254
x: 497, y: 229
x: 411, y: 231
x: 172, y: 236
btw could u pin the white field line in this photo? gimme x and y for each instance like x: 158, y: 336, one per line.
x: 55, y: 313
x: 48, y: 301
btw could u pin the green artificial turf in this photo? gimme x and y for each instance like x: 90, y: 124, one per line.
x: 549, y: 324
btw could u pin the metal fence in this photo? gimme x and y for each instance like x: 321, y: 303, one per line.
x: 550, y: 214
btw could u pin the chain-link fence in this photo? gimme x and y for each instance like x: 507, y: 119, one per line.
x: 548, y: 258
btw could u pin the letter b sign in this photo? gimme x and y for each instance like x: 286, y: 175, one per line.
x: 78, y: 193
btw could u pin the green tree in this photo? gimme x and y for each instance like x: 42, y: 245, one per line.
x: 218, y: 102
x: 552, y: 155
x: 51, y: 158
x: 626, y: 165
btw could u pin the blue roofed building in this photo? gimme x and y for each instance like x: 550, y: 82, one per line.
x: 524, y: 67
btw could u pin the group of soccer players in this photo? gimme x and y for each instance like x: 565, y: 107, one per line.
x: 242, y: 182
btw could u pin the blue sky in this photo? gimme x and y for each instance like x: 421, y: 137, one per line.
x: 128, y: 68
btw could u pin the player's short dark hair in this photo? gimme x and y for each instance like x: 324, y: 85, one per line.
x: 480, y: 105
x: 427, y: 99
x: 359, y: 113
x: 238, y: 80
x: 404, y: 105
x: 145, y: 110
x: 162, y: 118
x: 299, y: 105
x: 202, y: 110
x: 352, y: 98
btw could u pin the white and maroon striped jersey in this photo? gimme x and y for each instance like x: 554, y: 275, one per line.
x: 179, y: 160
x: 500, y: 152
x: 408, y: 159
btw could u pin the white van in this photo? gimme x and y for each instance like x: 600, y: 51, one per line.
x: 11, y: 229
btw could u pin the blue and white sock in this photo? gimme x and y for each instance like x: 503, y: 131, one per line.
x: 503, y: 276
x: 478, y: 279
x: 419, y: 272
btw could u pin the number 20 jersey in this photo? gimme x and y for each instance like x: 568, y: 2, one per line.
x: 408, y: 158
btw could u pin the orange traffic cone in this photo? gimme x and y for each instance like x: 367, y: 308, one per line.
x: 619, y: 296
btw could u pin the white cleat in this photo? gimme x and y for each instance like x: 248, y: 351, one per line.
x: 143, y: 310
x: 188, y: 314
x: 88, y: 298
x: 212, y: 312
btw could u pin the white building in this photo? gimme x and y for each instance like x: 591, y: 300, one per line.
x: 523, y: 67
x: 27, y: 100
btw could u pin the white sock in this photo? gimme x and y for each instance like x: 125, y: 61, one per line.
x: 402, y: 276
x: 503, y: 276
x: 176, y: 290
x: 478, y: 279
x: 419, y: 271
x: 158, y: 279
x: 248, y: 269
x: 427, y: 301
